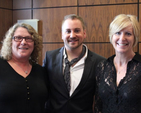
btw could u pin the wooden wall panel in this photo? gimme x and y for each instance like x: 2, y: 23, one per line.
x: 5, y: 17
x: 49, y: 47
x: 51, y: 22
x: 140, y: 20
x: 139, y: 48
x: 6, y: 4
x: 98, y: 18
x: 95, y: 2
x: 53, y: 3
x: 20, y: 4
x: 6, y: 21
x: 103, y: 49
x: 21, y: 14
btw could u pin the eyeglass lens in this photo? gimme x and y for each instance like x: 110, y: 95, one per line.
x: 20, y: 38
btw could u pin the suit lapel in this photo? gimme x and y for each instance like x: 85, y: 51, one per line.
x: 60, y: 77
x: 58, y: 63
x: 86, y: 73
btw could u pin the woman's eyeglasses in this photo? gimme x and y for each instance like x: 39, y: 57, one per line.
x: 20, y: 38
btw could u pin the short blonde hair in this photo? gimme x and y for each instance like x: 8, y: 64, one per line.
x: 122, y: 21
x: 6, y: 51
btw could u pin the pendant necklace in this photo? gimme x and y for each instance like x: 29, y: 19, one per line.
x: 26, y: 72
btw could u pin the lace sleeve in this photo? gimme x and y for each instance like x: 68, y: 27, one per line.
x: 98, y: 102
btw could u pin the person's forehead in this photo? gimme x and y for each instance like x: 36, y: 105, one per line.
x: 128, y: 28
x: 72, y: 23
x: 21, y: 31
x: 72, y: 20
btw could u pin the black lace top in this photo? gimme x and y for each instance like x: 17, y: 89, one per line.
x: 124, y: 98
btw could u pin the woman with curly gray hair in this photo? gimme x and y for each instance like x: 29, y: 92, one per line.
x: 22, y: 80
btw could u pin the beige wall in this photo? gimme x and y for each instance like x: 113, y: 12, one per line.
x: 97, y: 15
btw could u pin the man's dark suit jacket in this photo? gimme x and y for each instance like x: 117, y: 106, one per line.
x: 81, y: 100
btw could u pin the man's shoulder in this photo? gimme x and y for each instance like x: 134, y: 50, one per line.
x: 95, y: 56
x: 56, y: 51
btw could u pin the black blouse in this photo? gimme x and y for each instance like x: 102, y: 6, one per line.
x: 19, y: 94
x: 124, y: 98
